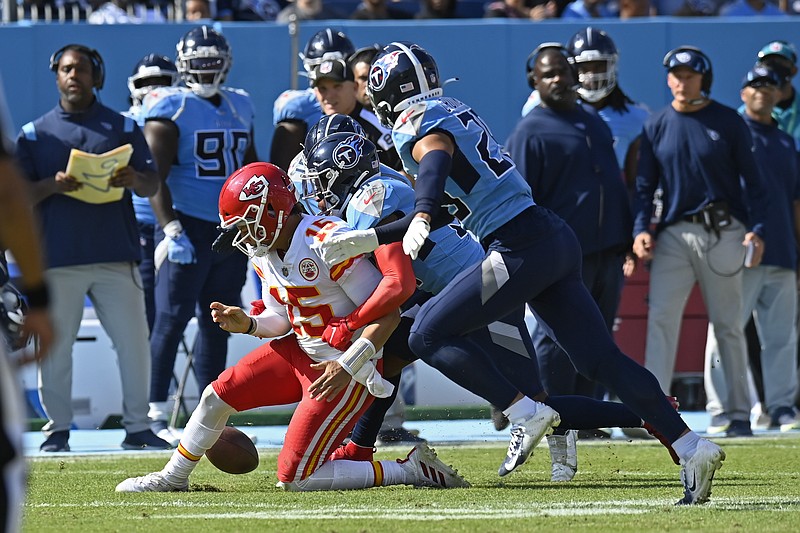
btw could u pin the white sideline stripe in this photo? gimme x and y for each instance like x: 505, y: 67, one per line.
x: 278, y: 512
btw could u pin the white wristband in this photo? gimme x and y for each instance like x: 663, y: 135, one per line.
x: 173, y: 229
x: 356, y: 356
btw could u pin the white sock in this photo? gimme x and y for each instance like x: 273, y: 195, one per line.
x: 159, y: 411
x: 202, y: 431
x: 522, y: 409
x: 348, y: 475
x: 686, y: 445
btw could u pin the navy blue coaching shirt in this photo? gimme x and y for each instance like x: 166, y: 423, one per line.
x: 568, y: 159
x: 779, y: 163
x: 76, y: 232
x: 698, y: 158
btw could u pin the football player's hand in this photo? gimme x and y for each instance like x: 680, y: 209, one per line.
x: 333, y: 380
x: 415, y: 236
x: 230, y: 317
x: 176, y: 246
x: 338, y: 248
x: 338, y: 333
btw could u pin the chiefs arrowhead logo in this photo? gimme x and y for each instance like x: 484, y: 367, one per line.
x: 256, y: 187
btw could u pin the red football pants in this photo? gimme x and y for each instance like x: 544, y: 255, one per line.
x: 279, y: 373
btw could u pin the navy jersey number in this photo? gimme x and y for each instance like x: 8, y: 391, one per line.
x: 498, y: 166
x: 218, y: 152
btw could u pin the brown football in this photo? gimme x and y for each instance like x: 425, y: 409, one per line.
x: 233, y: 452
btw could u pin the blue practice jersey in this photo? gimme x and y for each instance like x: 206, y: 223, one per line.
x: 297, y: 105
x: 484, y: 189
x: 449, y: 249
x: 212, y: 145
x: 625, y: 127
x: 141, y: 205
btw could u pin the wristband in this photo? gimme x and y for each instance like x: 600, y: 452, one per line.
x: 356, y: 356
x: 37, y: 297
x: 253, y: 326
x: 173, y: 229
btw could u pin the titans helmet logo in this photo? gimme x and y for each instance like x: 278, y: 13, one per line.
x: 256, y: 187
x: 381, y: 69
x: 348, y: 152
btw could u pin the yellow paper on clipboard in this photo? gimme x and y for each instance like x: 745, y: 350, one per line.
x: 94, y: 171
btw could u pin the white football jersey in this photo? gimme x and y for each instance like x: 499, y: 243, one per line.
x: 301, y: 285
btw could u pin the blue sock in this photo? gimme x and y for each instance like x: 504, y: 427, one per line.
x: 366, y: 430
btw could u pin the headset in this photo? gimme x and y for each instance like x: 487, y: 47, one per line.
x: 699, y: 62
x: 530, y: 63
x: 98, y: 67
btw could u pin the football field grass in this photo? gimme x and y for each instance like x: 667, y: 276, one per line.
x: 620, y: 486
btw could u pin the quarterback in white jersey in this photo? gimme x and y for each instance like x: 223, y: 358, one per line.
x: 303, y: 296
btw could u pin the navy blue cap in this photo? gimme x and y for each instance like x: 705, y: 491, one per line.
x: 761, y: 75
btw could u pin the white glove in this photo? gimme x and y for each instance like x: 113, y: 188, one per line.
x: 369, y: 376
x: 341, y: 247
x: 357, y: 361
x: 415, y: 236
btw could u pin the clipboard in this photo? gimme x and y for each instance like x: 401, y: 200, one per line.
x: 94, y: 171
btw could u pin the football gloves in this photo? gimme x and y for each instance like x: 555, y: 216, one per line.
x: 176, y: 246
x: 339, y: 248
x: 415, y: 236
x: 338, y: 333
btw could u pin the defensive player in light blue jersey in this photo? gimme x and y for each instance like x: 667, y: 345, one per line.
x: 151, y: 72
x: 199, y: 135
x: 532, y: 257
x: 296, y: 111
x: 595, y: 57
x: 343, y: 178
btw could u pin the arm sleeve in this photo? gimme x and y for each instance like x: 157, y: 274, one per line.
x: 272, y: 324
x: 434, y: 168
x: 396, y: 287
x: 394, y: 231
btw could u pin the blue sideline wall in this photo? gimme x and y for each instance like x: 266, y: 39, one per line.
x: 488, y: 56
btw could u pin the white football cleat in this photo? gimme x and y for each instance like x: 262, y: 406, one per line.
x: 154, y: 482
x: 698, y: 472
x: 563, y: 455
x: 526, y: 435
x: 427, y: 470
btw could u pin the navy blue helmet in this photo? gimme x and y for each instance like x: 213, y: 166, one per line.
x: 402, y: 74
x: 337, y: 166
x: 151, y: 71
x: 204, y: 59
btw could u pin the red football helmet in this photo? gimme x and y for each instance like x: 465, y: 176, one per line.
x: 256, y: 199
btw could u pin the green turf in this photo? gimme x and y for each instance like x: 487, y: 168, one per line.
x: 620, y: 486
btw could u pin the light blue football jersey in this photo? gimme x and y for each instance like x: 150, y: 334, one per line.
x: 297, y: 105
x: 484, y: 187
x: 449, y: 249
x: 625, y: 127
x: 212, y: 145
x: 141, y: 205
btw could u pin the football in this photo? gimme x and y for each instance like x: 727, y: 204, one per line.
x: 233, y: 452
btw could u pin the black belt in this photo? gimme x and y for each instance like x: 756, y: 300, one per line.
x: 696, y: 218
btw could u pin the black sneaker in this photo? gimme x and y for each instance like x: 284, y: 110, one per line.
x: 58, y: 441
x: 144, y: 440
x: 499, y: 420
x: 739, y: 428
x: 398, y: 436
